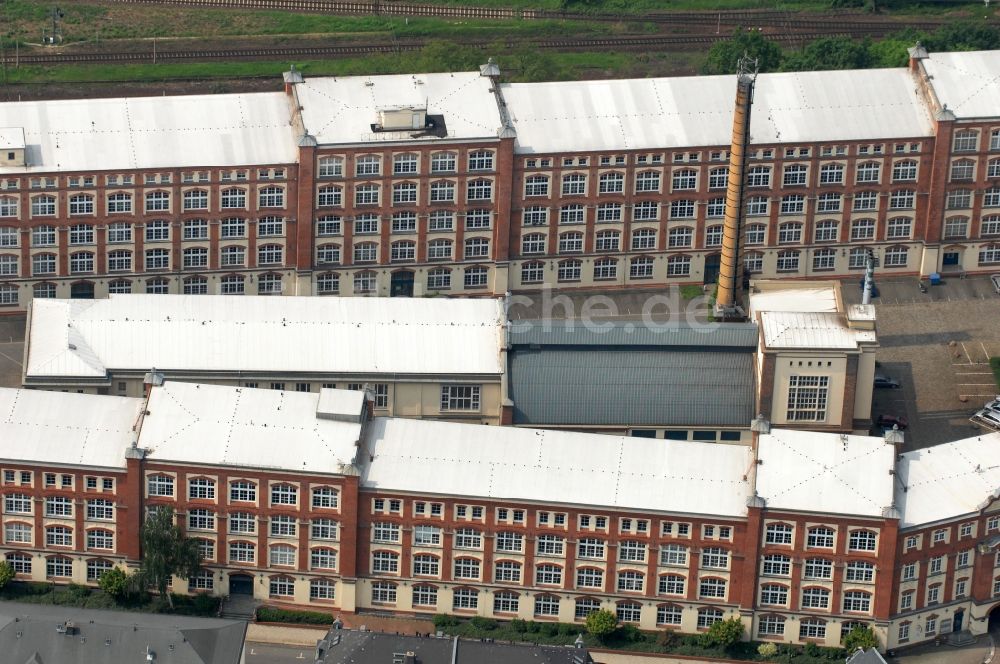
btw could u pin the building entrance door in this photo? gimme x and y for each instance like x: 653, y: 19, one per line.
x: 401, y: 284
x: 240, y: 584
x: 712, y: 264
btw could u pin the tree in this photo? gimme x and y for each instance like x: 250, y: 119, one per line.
x: 964, y: 36
x: 724, y: 634
x: 724, y: 55
x: 860, y: 637
x: 6, y: 573
x: 601, y: 623
x: 115, y: 583
x: 166, y: 552
x: 830, y: 53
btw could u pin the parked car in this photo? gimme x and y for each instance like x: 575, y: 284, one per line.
x: 881, y: 380
x: 989, y: 418
x: 993, y: 405
x: 995, y: 278
x: 887, y: 421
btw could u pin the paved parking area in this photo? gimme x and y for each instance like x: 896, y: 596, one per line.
x: 11, y: 350
x: 938, y: 345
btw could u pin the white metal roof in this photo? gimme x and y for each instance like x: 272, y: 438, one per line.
x: 968, y: 82
x: 796, y: 107
x: 236, y: 426
x: 66, y: 428
x: 363, y: 335
x: 342, y: 110
x: 11, y: 138
x: 556, y: 467
x: 827, y: 473
x: 152, y: 132
x: 796, y: 329
x: 947, y: 481
x: 823, y: 298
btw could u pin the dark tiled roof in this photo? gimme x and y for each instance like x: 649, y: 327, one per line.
x: 28, y: 633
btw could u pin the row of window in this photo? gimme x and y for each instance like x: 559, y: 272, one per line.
x: 122, y: 202
x: 232, y: 284
x: 121, y: 260
x: 242, y: 491
x: 153, y: 231
x: 332, y: 166
x: 406, y: 222
x: 755, y: 206
x: 57, y: 481
x: 99, y: 509
x: 16, y: 532
x: 404, y: 193
x: 687, y: 179
x: 402, y: 251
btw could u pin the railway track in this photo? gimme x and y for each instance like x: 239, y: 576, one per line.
x: 749, y: 18
x: 334, y: 52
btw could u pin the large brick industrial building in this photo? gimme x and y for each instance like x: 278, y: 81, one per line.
x: 307, y: 499
x: 458, y: 183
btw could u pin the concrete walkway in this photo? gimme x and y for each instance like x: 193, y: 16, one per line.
x: 983, y: 651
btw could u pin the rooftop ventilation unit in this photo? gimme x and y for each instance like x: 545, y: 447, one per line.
x: 402, y: 118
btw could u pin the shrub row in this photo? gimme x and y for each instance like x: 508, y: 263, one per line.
x: 269, y: 614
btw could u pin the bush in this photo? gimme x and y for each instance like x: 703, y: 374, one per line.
x: 767, y: 650
x: 519, y: 626
x: 629, y: 632
x: 482, y: 623
x: 78, y: 592
x: 860, y: 637
x: 565, y: 629
x: 667, y: 639
x: 267, y: 614
x: 724, y: 634
x: 6, y: 573
x: 442, y: 620
x: 549, y: 629
x: 600, y: 624
x: 115, y: 582
x: 811, y: 649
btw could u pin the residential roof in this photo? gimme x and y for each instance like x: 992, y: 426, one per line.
x: 67, y: 428
x: 947, y: 481
x: 244, y: 427
x: 550, y: 466
x: 966, y: 81
x: 830, y: 473
x: 343, y: 109
x: 152, y: 132
x: 630, y: 375
x: 793, y: 107
x: 28, y: 635
x: 803, y: 330
x: 217, y: 333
